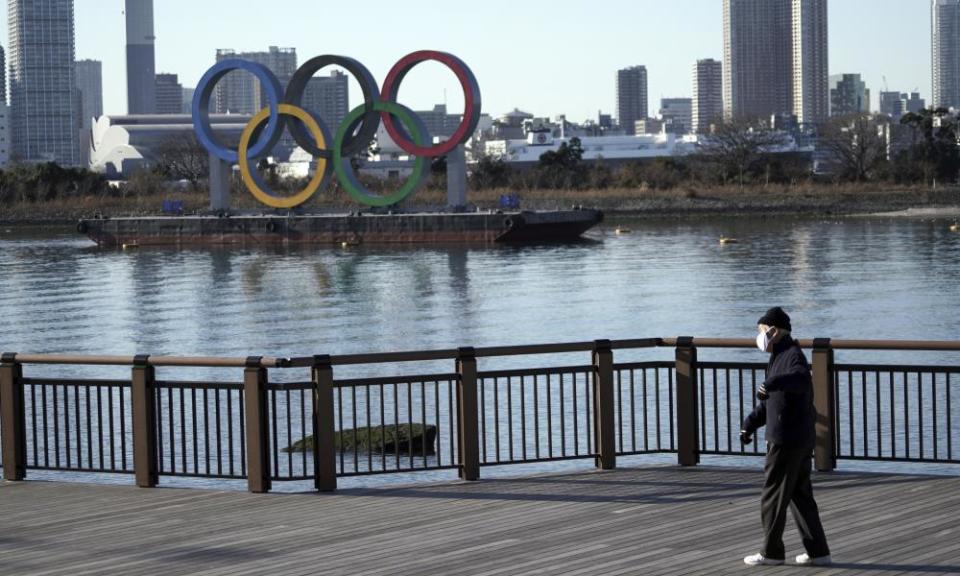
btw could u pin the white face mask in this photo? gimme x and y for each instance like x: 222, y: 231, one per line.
x: 763, y: 341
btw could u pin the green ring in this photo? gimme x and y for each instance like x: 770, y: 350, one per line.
x: 345, y: 174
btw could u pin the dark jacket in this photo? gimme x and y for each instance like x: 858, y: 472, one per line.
x: 788, y: 413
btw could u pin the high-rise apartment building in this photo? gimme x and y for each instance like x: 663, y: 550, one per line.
x: 946, y: 53
x: 90, y: 86
x: 187, y: 96
x: 631, y: 97
x: 141, y: 58
x: 848, y: 95
x: 169, y: 94
x: 90, y: 98
x: 811, y: 94
x: 676, y: 115
x: 896, y: 104
x: 3, y: 75
x: 707, y: 95
x: 239, y: 92
x: 757, y: 58
x: 329, y: 98
x: 914, y: 103
x: 43, y: 104
x: 892, y: 105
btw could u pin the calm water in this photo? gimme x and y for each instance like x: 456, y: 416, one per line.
x: 871, y: 278
x: 864, y: 277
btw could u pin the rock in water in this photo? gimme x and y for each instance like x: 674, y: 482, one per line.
x: 403, y: 439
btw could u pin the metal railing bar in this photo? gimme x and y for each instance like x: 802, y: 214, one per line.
x: 898, y: 368
x: 288, y: 386
x: 540, y: 460
x: 180, y: 385
x: 523, y: 373
x: 181, y: 361
x: 84, y: 470
x: 381, y: 380
x: 393, y: 471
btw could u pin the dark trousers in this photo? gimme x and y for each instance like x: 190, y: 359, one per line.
x: 788, y: 484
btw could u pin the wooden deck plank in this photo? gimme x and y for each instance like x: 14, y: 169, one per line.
x: 654, y: 520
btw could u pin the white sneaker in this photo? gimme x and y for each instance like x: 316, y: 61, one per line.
x: 805, y: 560
x: 761, y: 560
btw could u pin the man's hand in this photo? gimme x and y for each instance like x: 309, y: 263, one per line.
x: 762, y: 393
x: 745, y: 437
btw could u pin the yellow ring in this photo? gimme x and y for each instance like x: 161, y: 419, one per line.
x: 250, y: 181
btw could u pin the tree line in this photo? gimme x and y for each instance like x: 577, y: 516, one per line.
x: 922, y: 148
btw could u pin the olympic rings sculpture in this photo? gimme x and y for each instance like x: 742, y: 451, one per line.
x: 333, y: 151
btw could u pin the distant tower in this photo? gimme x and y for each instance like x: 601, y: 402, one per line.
x: 241, y: 93
x: 90, y: 96
x: 90, y: 85
x: 329, y: 97
x: 3, y: 75
x: 169, y: 94
x: 631, y: 97
x: 757, y: 58
x: 43, y: 103
x: 946, y: 53
x: 141, y: 59
x: 848, y: 95
x: 811, y: 93
x: 707, y: 94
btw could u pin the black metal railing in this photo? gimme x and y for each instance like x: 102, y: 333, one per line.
x: 536, y: 415
x: 728, y: 393
x: 78, y: 425
x: 200, y: 429
x: 645, y: 408
x: 324, y: 427
x: 896, y: 413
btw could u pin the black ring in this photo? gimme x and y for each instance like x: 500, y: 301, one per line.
x: 354, y: 143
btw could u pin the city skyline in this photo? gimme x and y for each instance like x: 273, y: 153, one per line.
x: 539, y: 78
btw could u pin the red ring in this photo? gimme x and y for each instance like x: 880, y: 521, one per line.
x: 468, y: 83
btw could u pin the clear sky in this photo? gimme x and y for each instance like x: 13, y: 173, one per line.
x: 545, y: 57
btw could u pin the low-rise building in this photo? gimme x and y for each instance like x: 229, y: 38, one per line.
x: 121, y: 145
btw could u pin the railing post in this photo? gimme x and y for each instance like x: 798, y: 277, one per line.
x: 688, y: 453
x: 603, y: 414
x: 324, y: 449
x: 468, y: 415
x: 13, y: 419
x: 257, y: 426
x: 825, y: 454
x: 145, y: 462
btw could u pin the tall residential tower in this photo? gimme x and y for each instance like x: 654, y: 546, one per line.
x: 43, y: 104
x: 811, y: 93
x: 631, y: 97
x: 757, y: 58
x: 90, y: 98
x: 707, y: 94
x: 141, y: 59
x: 946, y: 53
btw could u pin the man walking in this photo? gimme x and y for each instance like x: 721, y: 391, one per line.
x: 786, y: 408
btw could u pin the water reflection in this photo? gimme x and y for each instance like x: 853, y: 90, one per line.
x: 874, y: 278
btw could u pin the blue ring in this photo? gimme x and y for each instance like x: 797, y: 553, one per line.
x: 201, y: 108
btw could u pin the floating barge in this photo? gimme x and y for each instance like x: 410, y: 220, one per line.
x: 339, y: 229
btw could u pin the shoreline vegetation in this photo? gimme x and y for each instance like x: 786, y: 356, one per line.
x: 806, y: 199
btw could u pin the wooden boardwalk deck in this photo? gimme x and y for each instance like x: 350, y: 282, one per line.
x: 658, y: 520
